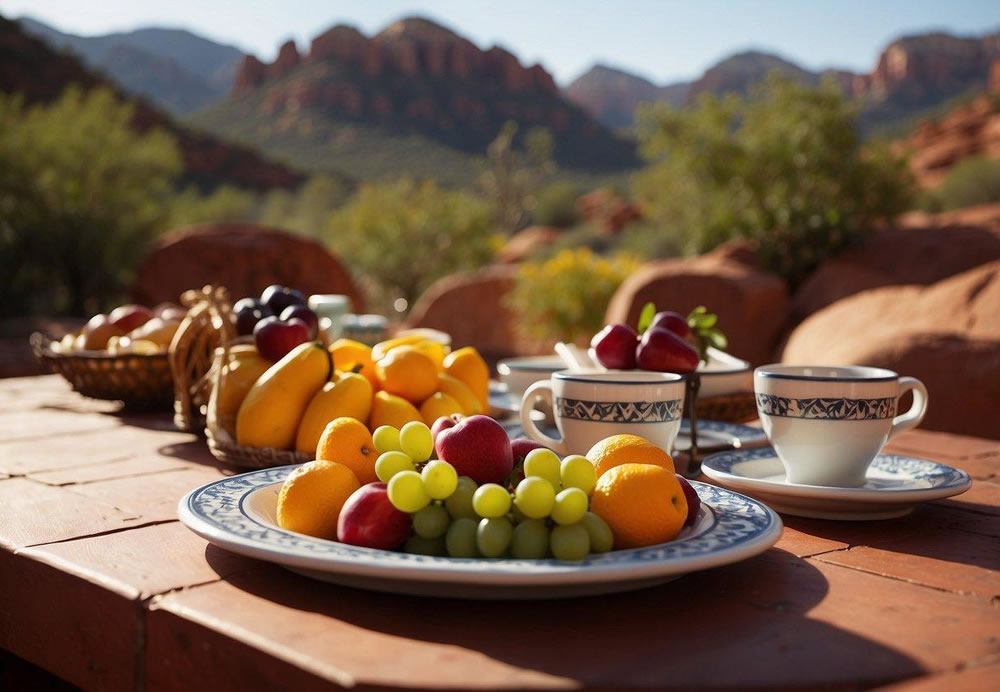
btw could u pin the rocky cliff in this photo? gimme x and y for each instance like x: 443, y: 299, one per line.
x: 612, y: 95
x: 30, y: 67
x: 414, y: 78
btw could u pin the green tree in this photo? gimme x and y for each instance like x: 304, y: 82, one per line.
x: 556, y: 205
x: 784, y: 167
x: 975, y: 180
x: 224, y: 204
x: 403, y: 235
x: 306, y: 210
x: 81, y: 193
x: 511, y: 176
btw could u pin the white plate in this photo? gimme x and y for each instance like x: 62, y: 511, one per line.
x: 894, y: 485
x: 237, y: 513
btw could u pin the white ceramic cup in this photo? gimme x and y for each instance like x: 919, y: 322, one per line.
x: 589, y: 406
x: 827, y: 424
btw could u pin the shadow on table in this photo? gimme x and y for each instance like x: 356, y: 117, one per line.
x: 947, y: 532
x: 195, y: 451
x: 743, y: 625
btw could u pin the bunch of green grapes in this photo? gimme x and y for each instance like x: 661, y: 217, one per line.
x: 546, y: 515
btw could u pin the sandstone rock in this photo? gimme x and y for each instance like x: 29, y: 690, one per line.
x: 340, y: 42
x: 935, y: 147
x: 968, y: 303
x: 752, y: 305
x: 243, y: 257
x: 608, y: 210
x: 524, y: 244
x: 921, y: 250
x: 288, y: 58
x: 470, y: 307
x: 249, y: 75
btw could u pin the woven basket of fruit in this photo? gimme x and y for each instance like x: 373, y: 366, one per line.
x: 121, y: 356
x: 207, y: 325
x: 739, y: 407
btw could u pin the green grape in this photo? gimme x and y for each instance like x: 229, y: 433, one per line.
x: 493, y: 536
x: 392, y: 462
x: 569, y: 542
x: 415, y: 439
x: 491, y: 500
x: 534, y: 496
x: 386, y: 439
x: 431, y: 522
x: 578, y: 472
x: 601, y: 538
x: 530, y: 540
x: 406, y: 492
x: 569, y: 507
x: 418, y: 545
x: 459, y: 503
x: 544, y: 463
x: 461, y: 538
x: 440, y: 479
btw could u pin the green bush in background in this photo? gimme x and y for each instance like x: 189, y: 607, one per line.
x: 565, y: 297
x: 975, y: 180
x: 784, y: 167
x: 406, y: 234
x: 81, y: 193
x: 555, y: 205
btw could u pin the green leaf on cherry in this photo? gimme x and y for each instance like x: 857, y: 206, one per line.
x: 646, y: 317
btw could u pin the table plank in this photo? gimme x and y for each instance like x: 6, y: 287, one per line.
x: 35, y: 513
x: 154, y: 497
x: 975, y: 679
x: 775, y: 620
x: 105, y: 471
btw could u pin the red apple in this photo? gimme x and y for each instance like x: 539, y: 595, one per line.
x: 368, y: 519
x: 477, y: 447
x: 275, y: 338
x: 672, y: 322
x: 664, y: 351
x: 301, y: 312
x: 691, y: 495
x: 445, y: 422
x: 614, y: 347
x: 129, y: 317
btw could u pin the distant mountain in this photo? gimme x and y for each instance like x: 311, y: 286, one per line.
x: 173, y: 68
x: 30, y: 67
x: 913, y: 75
x: 414, y: 98
x: 611, y: 95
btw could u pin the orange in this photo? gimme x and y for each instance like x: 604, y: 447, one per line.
x: 460, y: 392
x: 312, y: 496
x: 408, y: 373
x: 468, y: 366
x: 389, y: 409
x: 433, y: 350
x: 347, y: 441
x: 439, y: 405
x: 627, y: 449
x: 348, y: 354
x: 642, y: 503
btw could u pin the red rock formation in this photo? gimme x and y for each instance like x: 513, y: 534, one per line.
x: 288, y: 58
x: 605, y: 208
x: 250, y: 74
x: 937, y: 145
x: 918, y: 66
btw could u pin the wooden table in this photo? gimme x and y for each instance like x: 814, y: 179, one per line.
x: 102, y: 586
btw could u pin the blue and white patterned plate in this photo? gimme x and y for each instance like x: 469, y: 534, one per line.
x: 894, y: 485
x: 237, y: 513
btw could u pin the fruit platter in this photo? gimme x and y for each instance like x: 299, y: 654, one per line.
x: 457, y: 509
x: 119, y: 356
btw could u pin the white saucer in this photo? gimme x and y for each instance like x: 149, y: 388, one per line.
x: 894, y: 486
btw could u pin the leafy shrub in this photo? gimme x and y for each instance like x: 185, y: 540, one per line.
x: 404, y: 235
x: 565, y: 297
x: 976, y: 180
x: 556, y: 205
x: 81, y: 193
x: 224, y: 204
x: 784, y: 167
x: 305, y: 210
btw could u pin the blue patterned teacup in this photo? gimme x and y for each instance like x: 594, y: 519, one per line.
x: 827, y: 424
x: 591, y: 405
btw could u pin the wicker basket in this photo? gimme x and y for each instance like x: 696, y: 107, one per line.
x: 220, y: 440
x: 208, y: 325
x: 728, y: 408
x: 141, y: 382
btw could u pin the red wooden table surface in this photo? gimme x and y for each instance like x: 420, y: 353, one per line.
x: 102, y: 586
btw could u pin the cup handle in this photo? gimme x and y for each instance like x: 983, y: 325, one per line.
x: 911, y: 418
x: 539, y: 390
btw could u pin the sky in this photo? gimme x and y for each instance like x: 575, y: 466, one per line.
x: 663, y: 40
